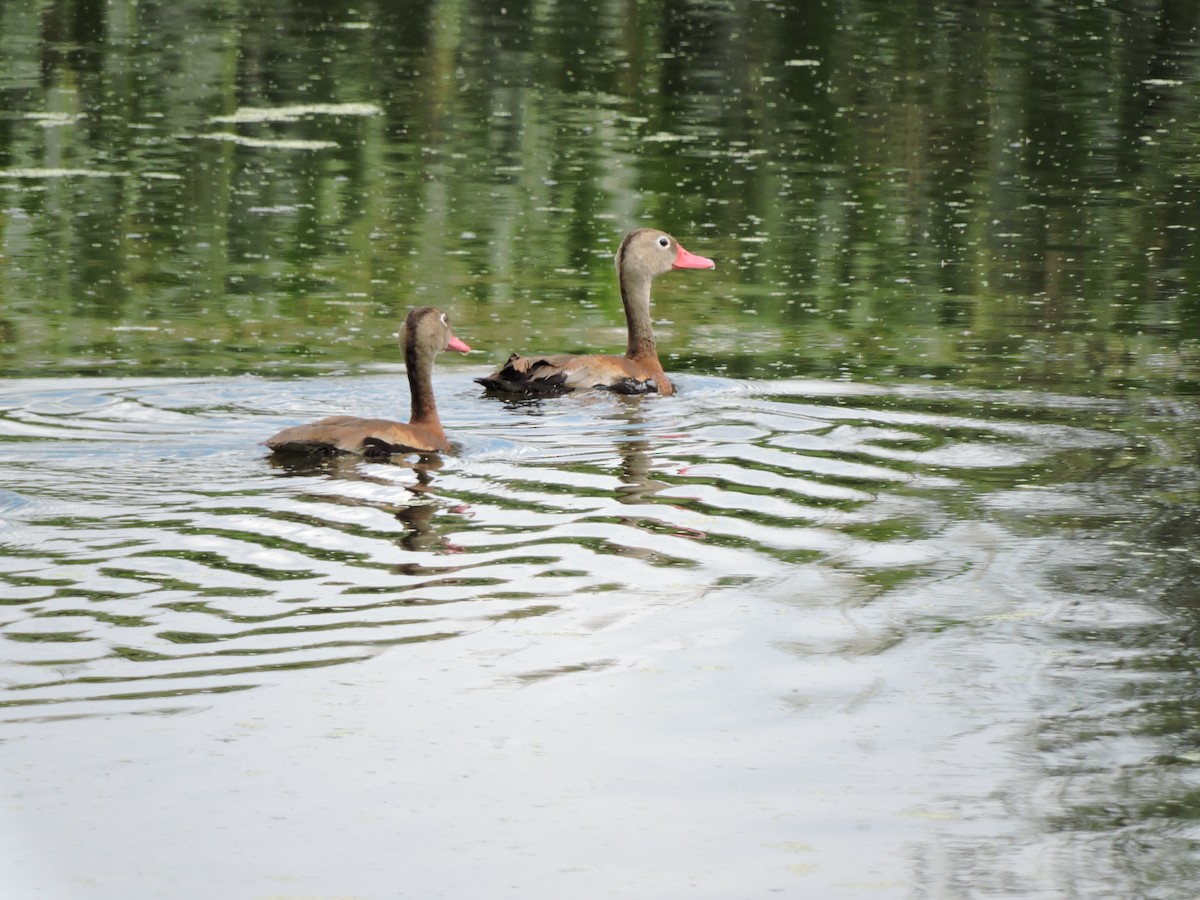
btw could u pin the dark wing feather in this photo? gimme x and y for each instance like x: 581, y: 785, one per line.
x: 546, y: 376
x: 630, y: 386
x: 527, y: 376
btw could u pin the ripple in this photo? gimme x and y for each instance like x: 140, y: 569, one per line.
x: 154, y: 555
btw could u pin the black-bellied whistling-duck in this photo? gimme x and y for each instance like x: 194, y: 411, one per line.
x: 425, y: 334
x: 644, y: 254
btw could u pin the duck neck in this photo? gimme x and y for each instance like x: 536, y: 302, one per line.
x: 419, y: 363
x: 635, y: 295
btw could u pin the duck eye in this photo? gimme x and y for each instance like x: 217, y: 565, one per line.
x: 445, y: 321
x: 664, y: 241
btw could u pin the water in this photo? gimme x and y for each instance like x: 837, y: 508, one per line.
x: 708, y: 646
x: 897, y: 598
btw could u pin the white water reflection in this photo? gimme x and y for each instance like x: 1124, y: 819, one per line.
x: 700, y: 647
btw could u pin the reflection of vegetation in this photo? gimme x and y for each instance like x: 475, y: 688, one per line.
x: 892, y: 191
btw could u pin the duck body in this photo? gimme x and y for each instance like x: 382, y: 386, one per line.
x: 364, y: 437
x: 549, y: 376
x: 425, y: 333
x: 644, y: 254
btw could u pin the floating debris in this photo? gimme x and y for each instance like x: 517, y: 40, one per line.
x: 59, y: 173
x: 663, y: 137
x: 279, y: 208
x: 54, y: 119
x: 267, y: 143
x: 296, y: 112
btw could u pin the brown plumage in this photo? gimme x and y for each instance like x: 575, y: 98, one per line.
x: 426, y: 333
x: 644, y: 254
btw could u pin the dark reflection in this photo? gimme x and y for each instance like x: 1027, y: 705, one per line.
x: 423, y: 520
x: 355, y: 468
x: 637, y: 469
x: 637, y: 484
x: 1166, y: 56
x: 1139, y: 707
x: 517, y: 406
x: 423, y: 531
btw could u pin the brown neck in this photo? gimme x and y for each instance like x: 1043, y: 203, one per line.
x: 635, y: 295
x: 418, y: 360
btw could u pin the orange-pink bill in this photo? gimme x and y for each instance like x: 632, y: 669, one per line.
x: 455, y: 344
x: 686, y: 260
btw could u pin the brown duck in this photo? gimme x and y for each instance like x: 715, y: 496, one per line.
x: 425, y: 334
x: 644, y: 254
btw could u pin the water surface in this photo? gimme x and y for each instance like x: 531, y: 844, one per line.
x: 695, y: 646
x: 897, y: 598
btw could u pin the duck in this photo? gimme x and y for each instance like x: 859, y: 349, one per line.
x: 644, y: 254
x: 424, y: 334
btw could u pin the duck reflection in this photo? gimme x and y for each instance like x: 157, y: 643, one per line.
x: 421, y: 520
x: 637, y: 483
x: 348, y: 466
x: 416, y: 508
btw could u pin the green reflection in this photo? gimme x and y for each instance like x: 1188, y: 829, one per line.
x: 892, y: 192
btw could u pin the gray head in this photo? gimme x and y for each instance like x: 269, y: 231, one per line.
x: 427, y: 330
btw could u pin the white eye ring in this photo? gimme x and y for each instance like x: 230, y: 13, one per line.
x: 664, y: 241
x: 444, y: 322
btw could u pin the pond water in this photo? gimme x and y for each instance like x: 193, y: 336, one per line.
x: 898, y: 597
